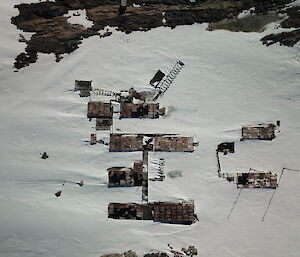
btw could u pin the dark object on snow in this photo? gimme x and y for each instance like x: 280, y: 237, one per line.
x: 123, y: 6
x: 80, y: 183
x: 157, y: 78
x: 44, y: 155
x: 58, y: 193
x: 226, y: 147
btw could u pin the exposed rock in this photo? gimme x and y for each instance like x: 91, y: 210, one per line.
x: 55, y: 35
x: 253, y: 23
x: 284, y: 38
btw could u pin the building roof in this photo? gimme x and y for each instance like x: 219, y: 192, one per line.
x: 173, y: 144
x: 123, y: 143
x: 139, y: 110
x: 260, y: 131
x: 99, y: 109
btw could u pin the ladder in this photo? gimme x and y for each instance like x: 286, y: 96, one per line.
x: 165, y: 83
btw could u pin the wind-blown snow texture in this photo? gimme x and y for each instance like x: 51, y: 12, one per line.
x: 229, y: 80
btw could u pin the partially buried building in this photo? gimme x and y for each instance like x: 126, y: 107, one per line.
x: 140, y: 110
x: 166, y: 212
x: 85, y: 86
x: 155, y: 142
x: 122, y: 176
x: 260, y: 131
x: 256, y: 180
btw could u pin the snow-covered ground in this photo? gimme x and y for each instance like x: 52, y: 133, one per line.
x: 229, y: 79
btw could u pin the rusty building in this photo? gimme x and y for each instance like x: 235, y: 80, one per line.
x: 260, y: 131
x: 256, y: 180
x: 166, y: 212
x: 173, y: 144
x: 140, y: 110
x: 122, y: 176
x: 125, y: 143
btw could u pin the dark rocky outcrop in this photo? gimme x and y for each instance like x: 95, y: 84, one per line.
x: 53, y: 34
x: 286, y: 38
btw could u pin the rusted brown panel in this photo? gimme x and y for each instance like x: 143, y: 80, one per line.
x: 99, y: 110
x: 173, y: 144
x: 264, y: 132
x: 123, y: 143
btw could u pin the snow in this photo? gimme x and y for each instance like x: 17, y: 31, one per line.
x: 247, y: 13
x: 79, y: 17
x: 229, y: 80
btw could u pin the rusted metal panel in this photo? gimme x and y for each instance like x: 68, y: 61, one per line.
x: 262, y: 132
x: 99, y: 110
x: 173, y: 144
x: 123, y: 143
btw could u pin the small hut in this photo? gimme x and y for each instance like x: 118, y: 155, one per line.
x: 260, y: 131
x: 84, y: 86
